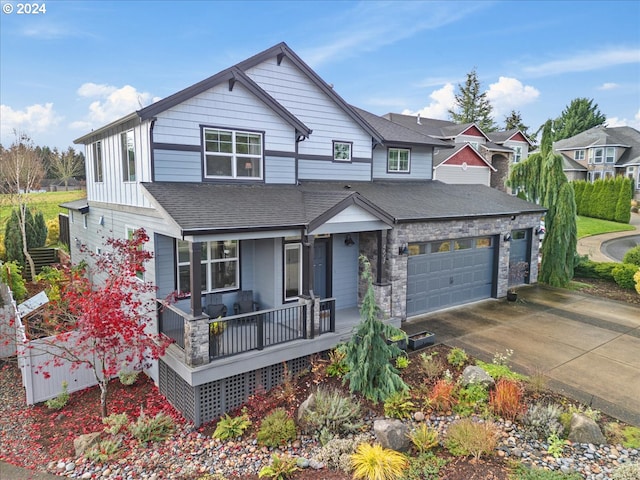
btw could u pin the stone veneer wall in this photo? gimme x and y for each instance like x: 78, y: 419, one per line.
x: 395, y: 297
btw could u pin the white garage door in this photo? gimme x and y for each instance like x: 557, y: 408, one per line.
x: 450, y: 272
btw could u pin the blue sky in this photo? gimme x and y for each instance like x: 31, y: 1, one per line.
x: 83, y: 64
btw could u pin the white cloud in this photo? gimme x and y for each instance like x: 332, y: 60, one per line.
x: 510, y: 94
x: 623, y: 122
x: 111, y: 103
x: 443, y: 100
x: 608, y: 86
x: 584, y: 62
x: 34, y: 118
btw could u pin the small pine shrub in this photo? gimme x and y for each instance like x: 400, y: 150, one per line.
x: 399, y: 405
x: 276, y: 429
x: 430, y: 364
x: 423, y: 438
x: 627, y: 471
x: 152, y: 429
x: 541, y: 421
x: 115, y: 423
x: 373, y: 462
x: 127, y: 378
x: 336, y: 453
x: 457, y: 357
x: 632, y: 256
x: 468, y: 438
x: 231, y: 427
x: 102, y: 451
x: 331, y: 414
x: 506, y: 399
x: 280, y: 468
x: 442, y: 398
x: 623, y: 275
x: 61, y: 400
x: 425, y: 466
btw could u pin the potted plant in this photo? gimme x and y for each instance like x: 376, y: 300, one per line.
x: 216, y: 329
x: 517, y: 274
x: 421, y: 339
x: 400, y: 339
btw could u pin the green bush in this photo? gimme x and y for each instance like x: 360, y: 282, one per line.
x: 102, y: 451
x: 423, y: 437
x: 632, y: 256
x: 11, y: 275
x: 280, y: 468
x: 498, y: 371
x: 276, y: 429
x: 127, y: 378
x: 61, y: 400
x: 472, y: 399
x: 399, y: 405
x: 330, y: 413
x: 541, y: 421
x: 425, y: 466
x: 466, y: 437
x: 591, y: 269
x: 152, y: 429
x: 623, y: 275
x: 231, y: 427
x: 457, y: 357
x: 115, y: 423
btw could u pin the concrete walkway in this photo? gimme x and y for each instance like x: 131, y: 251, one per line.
x: 592, y: 246
x: 588, y: 347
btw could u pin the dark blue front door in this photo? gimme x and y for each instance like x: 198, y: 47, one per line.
x: 320, y: 269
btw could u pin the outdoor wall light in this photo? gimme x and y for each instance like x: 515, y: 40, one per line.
x: 349, y: 241
x: 403, y: 250
x: 507, y: 237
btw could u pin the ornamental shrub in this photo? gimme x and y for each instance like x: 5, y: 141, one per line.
x: 636, y: 277
x: 152, y: 429
x: 231, y: 427
x: 373, y: 462
x: 424, y: 437
x: 398, y: 405
x: 632, y: 256
x: 442, y: 396
x: 61, y: 400
x: 11, y: 275
x: 336, y: 453
x: 457, y: 357
x: 541, y: 421
x: 506, y: 399
x: 102, y: 451
x: 280, y: 468
x: 276, y: 429
x: 466, y: 437
x: 623, y: 275
x: 331, y: 414
x: 115, y: 423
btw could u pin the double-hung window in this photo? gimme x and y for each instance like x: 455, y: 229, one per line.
x: 610, y: 155
x: 341, y: 151
x: 232, y: 154
x: 127, y: 144
x: 598, y: 155
x: 96, y: 152
x: 517, y: 154
x: 578, y: 155
x: 398, y: 160
x: 219, y: 266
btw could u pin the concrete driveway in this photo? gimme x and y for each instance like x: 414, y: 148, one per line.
x: 589, y: 348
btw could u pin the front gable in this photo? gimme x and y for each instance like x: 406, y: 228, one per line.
x: 466, y: 156
x: 473, y: 131
x: 518, y: 137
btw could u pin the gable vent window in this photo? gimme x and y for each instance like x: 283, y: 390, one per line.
x: 232, y: 154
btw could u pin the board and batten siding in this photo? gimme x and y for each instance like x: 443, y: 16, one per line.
x: 298, y: 94
x: 218, y: 107
x: 455, y: 174
x: 421, y: 164
x: 113, y: 189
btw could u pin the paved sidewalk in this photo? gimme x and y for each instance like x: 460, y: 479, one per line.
x: 11, y: 472
x: 592, y: 246
x: 587, y: 347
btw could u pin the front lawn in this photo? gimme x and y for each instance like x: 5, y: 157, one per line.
x: 47, y: 203
x: 588, y: 226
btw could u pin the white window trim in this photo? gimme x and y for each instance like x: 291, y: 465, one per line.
x: 398, y: 170
x: 578, y: 155
x: 292, y: 246
x: 350, y: 155
x: 128, y: 233
x: 612, y: 156
x: 595, y: 157
x: 85, y: 221
x: 517, y: 154
x: 98, y: 166
x: 208, y: 265
x: 127, y: 177
x: 233, y: 156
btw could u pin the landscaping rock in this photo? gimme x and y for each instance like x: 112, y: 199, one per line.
x: 83, y: 442
x: 392, y: 433
x: 475, y: 375
x: 585, y: 430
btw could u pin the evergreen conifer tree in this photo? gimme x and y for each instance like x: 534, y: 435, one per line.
x: 473, y: 106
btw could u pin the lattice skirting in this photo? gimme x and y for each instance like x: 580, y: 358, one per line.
x: 204, y: 403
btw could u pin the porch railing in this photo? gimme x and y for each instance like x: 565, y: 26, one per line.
x: 257, y: 330
x: 327, y: 320
x: 171, y: 322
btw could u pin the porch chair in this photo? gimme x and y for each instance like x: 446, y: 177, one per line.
x: 245, y: 303
x: 214, y: 306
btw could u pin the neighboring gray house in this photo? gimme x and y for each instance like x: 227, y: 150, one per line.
x: 495, y: 151
x: 260, y: 187
x: 602, y: 152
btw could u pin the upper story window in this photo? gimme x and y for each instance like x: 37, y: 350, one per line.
x: 96, y: 152
x: 475, y: 145
x: 610, y: 155
x: 596, y: 155
x: 398, y: 160
x: 232, y: 154
x: 578, y: 155
x: 342, y: 151
x: 127, y: 144
x: 219, y: 266
x: 517, y: 154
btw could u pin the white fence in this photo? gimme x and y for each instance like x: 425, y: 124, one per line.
x: 36, y: 355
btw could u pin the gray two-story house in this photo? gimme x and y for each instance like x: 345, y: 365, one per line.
x: 260, y: 188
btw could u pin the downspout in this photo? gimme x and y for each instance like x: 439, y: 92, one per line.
x: 152, y: 150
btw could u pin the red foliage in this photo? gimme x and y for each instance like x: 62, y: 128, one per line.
x: 441, y: 398
x: 506, y: 400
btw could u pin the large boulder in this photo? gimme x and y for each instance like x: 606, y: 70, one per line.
x: 83, y: 442
x: 392, y: 433
x: 475, y: 375
x: 585, y: 430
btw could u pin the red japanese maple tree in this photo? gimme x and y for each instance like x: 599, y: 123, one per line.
x: 106, y: 316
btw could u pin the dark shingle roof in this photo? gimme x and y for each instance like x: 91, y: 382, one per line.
x: 205, y: 208
x: 569, y: 164
x: 600, y: 136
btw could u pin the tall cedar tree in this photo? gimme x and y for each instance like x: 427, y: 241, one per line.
x: 107, y: 326
x: 580, y: 115
x: 514, y: 121
x: 368, y: 355
x: 472, y: 106
x: 544, y: 182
